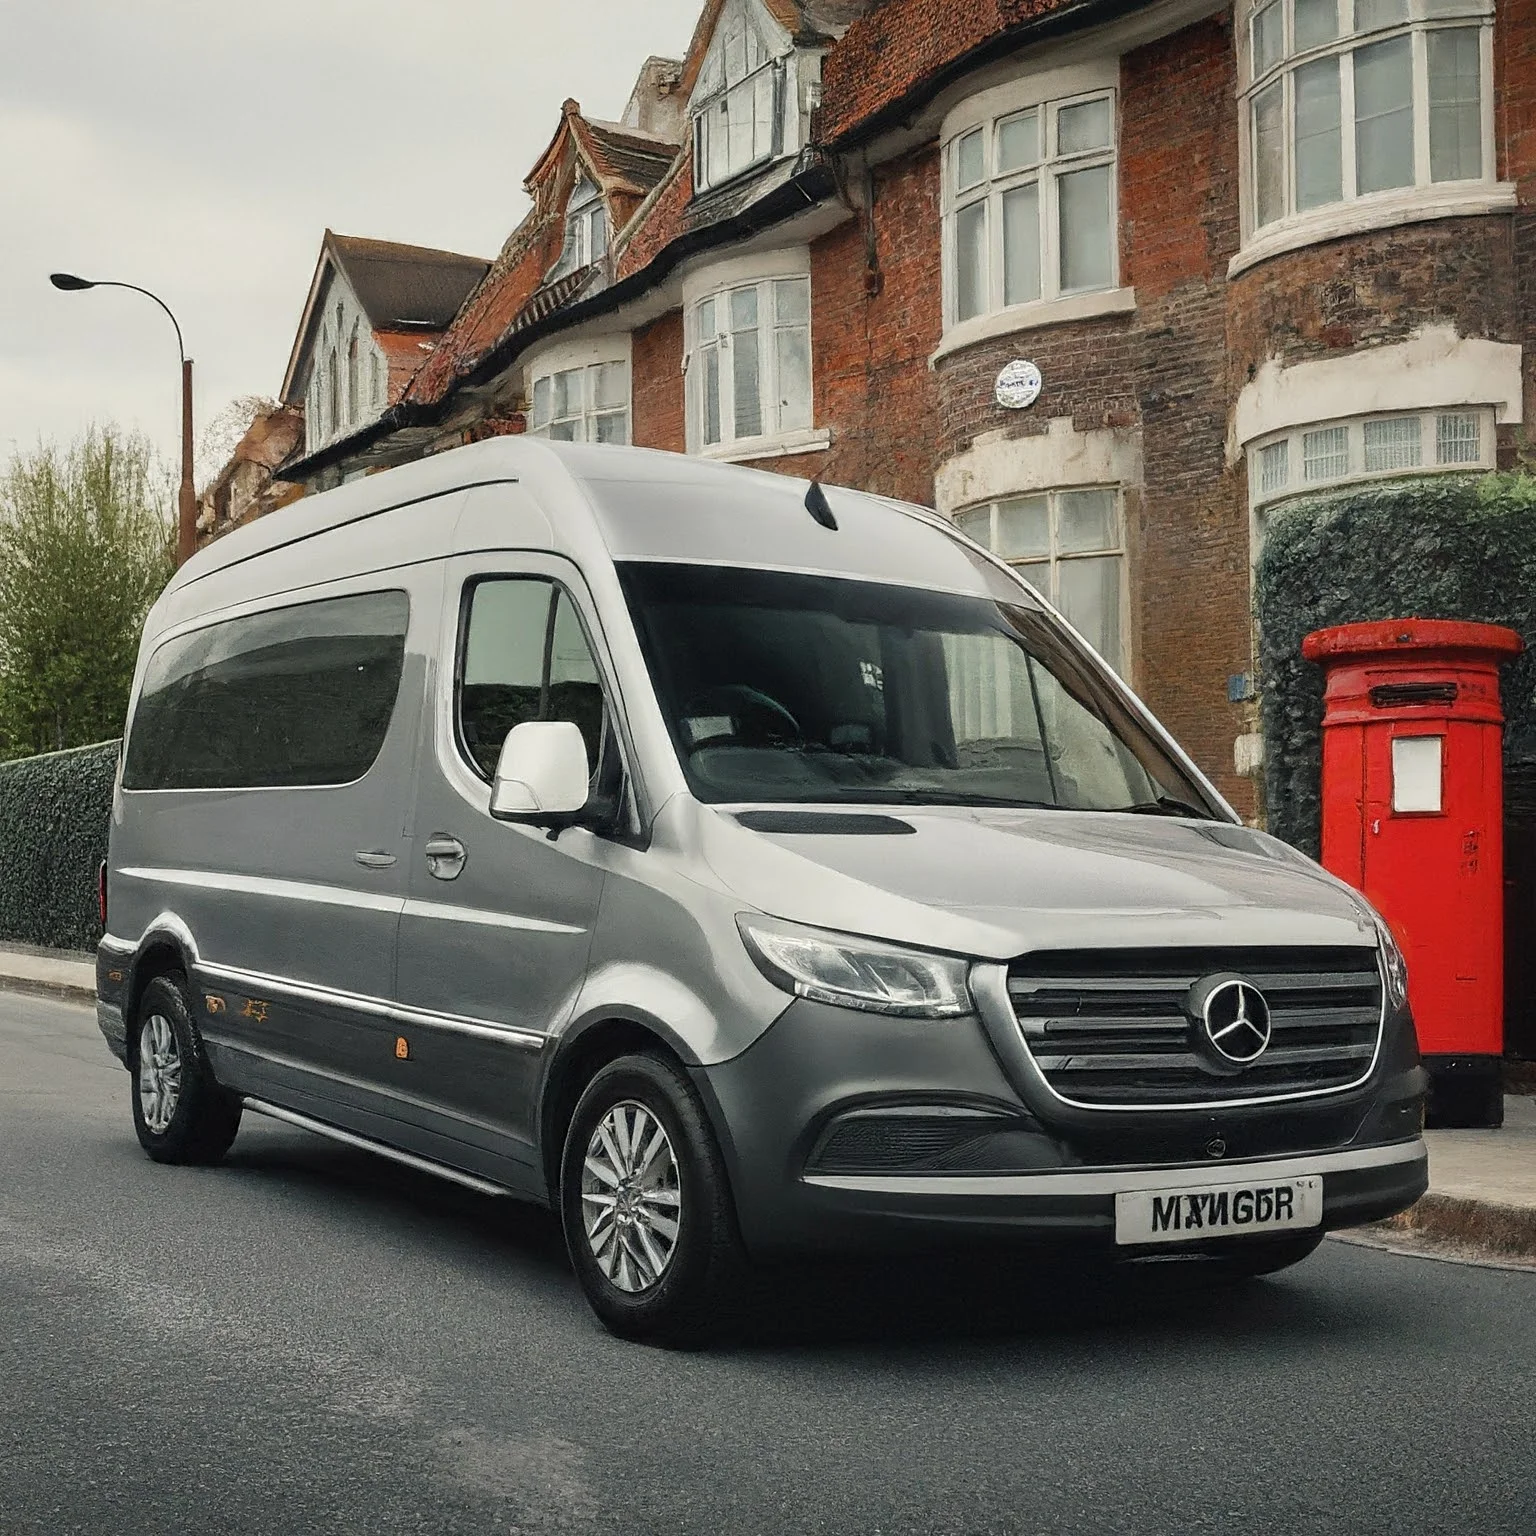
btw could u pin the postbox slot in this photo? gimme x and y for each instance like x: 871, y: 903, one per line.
x: 1384, y: 695
x: 1417, y: 773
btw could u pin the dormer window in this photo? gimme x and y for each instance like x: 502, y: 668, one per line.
x: 738, y: 103
x: 586, y: 230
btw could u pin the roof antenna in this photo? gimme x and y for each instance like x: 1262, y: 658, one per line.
x: 816, y: 505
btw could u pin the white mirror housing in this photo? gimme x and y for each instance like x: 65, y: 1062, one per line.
x: 542, y: 771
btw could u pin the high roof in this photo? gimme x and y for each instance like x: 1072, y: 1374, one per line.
x: 625, y: 162
x: 400, y: 288
x: 627, y: 158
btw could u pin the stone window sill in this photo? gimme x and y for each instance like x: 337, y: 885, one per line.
x: 1416, y: 205
x: 779, y: 446
x: 1029, y: 317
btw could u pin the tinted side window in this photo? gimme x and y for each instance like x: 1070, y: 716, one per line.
x: 295, y: 696
x: 525, y: 657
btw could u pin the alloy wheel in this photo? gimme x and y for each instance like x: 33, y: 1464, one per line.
x: 631, y: 1200
x: 159, y: 1073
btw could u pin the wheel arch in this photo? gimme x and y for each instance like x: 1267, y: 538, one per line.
x: 167, y: 947
x: 579, y: 1055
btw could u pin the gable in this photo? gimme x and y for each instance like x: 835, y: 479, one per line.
x: 333, y: 309
x: 392, y: 287
x: 734, y: 38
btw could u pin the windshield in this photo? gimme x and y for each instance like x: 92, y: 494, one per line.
x: 784, y: 687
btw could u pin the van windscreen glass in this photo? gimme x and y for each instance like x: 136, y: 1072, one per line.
x: 779, y: 686
x: 293, y: 696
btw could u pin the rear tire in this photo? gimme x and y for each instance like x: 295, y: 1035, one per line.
x: 646, y: 1206
x: 180, y: 1112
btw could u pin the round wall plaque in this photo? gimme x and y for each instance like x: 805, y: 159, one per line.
x: 1018, y: 385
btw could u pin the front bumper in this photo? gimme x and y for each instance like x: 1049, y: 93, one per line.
x: 1359, y: 1185
x: 839, y: 1130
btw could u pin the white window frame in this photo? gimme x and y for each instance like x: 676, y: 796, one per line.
x: 1057, y: 557
x: 1262, y: 453
x: 586, y: 213
x: 356, y: 405
x: 775, y: 64
x: 1046, y: 92
x: 1355, y: 211
x: 584, y: 358
x: 717, y: 283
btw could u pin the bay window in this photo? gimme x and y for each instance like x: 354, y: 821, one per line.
x: 1030, y: 201
x: 1354, y: 99
x: 749, y: 365
x: 1070, y: 546
x: 582, y: 405
x: 1308, y: 459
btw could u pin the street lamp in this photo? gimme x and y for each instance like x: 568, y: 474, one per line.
x: 186, y: 520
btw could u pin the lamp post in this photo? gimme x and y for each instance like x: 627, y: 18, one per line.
x: 186, y: 519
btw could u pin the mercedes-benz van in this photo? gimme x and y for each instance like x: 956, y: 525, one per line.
x: 739, y: 867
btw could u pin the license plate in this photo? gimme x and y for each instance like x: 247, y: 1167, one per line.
x: 1217, y: 1210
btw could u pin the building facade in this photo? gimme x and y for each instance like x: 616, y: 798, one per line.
x: 1249, y: 252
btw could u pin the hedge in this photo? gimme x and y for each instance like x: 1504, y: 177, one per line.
x: 1451, y: 547
x: 54, y: 813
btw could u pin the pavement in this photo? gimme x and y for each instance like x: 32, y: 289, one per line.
x: 1482, y: 1190
x: 1482, y: 1184
x: 309, y: 1339
x: 57, y: 972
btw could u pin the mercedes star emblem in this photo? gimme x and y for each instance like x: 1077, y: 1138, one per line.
x: 1235, y: 1021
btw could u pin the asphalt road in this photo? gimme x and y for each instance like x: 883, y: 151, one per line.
x: 311, y: 1340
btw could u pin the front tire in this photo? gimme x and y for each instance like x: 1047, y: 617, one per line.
x: 646, y: 1206
x: 180, y: 1112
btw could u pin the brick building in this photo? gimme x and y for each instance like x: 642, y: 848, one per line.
x: 1252, y: 251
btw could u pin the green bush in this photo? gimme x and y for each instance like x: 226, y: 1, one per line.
x: 54, y: 813
x: 1450, y: 547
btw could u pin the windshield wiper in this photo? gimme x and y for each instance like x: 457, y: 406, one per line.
x: 1166, y: 805
x: 942, y: 797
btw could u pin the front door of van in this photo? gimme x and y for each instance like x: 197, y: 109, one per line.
x: 498, y: 919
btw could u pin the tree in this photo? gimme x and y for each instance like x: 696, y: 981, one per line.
x: 217, y: 443
x: 85, y: 548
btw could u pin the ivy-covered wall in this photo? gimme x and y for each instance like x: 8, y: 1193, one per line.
x: 54, y: 813
x: 1442, y: 548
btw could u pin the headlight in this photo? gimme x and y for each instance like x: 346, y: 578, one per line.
x: 857, y: 973
x: 1393, y: 965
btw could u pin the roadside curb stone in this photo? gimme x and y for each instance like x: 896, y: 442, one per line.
x: 1508, y: 1231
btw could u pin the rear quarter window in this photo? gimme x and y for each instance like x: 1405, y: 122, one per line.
x: 290, y: 697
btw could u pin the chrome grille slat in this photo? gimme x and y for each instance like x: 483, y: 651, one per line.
x: 1109, y: 1029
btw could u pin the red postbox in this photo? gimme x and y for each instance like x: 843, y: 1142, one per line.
x: 1413, y: 816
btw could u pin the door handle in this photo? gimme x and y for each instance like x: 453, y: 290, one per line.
x: 370, y: 859
x: 445, y: 856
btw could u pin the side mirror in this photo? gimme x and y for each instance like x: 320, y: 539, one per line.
x: 542, y: 772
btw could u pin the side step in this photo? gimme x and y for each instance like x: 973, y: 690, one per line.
x: 363, y: 1143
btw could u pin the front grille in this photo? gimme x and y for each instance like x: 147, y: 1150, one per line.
x: 1110, y: 1029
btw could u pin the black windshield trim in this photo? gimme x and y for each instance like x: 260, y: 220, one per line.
x: 926, y: 615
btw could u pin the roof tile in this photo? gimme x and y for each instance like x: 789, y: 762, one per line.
x: 404, y: 285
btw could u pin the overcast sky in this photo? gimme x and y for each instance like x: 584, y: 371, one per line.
x: 200, y: 148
